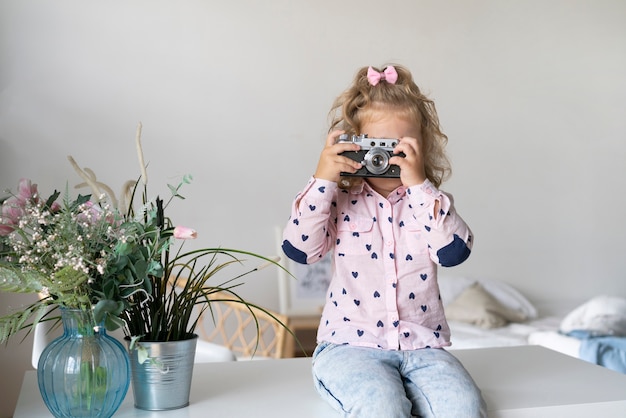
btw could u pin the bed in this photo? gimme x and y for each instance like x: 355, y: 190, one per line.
x: 491, y: 313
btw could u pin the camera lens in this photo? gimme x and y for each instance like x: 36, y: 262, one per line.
x: 376, y: 161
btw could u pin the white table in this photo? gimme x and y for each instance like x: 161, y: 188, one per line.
x: 525, y: 381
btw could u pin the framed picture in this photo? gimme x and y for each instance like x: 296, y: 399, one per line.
x: 306, y: 293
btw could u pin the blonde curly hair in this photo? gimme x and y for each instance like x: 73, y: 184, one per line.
x: 356, y: 104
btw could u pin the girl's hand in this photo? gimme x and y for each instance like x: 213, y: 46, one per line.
x: 331, y: 164
x: 412, y: 170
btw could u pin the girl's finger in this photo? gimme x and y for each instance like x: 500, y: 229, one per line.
x: 332, y: 137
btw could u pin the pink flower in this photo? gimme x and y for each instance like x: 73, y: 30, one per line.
x: 12, y: 211
x: 90, y: 213
x: 182, y: 232
x: 5, y: 230
x: 13, y: 207
x: 27, y: 191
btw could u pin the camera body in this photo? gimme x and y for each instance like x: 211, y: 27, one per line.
x: 374, y: 155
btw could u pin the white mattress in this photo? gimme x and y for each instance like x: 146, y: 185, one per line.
x: 465, y: 335
x: 542, y: 331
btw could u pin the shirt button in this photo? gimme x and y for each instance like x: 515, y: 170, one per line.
x: 353, y: 226
x: 389, y: 243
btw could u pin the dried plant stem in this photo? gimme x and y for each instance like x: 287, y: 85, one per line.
x: 142, y: 164
x: 85, y: 177
x: 126, y: 195
x: 106, y: 188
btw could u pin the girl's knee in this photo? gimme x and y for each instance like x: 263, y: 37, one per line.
x: 397, y: 406
x: 364, y: 399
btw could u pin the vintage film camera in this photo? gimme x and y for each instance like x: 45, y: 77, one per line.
x: 374, y: 155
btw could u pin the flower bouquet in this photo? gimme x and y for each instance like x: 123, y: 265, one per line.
x: 120, y: 261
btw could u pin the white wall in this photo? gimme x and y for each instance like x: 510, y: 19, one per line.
x: 531, y: 93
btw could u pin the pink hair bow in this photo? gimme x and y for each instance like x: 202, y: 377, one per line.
x: 389, y: 75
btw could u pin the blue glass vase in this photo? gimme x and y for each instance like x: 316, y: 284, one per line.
x: 85, y: 372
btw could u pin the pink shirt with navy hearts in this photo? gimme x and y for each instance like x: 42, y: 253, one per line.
x: 384, y: 290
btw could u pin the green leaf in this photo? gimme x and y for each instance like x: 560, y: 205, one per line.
x: 82, y: 199
x: 108, y: 311
x: 17, y: 321
x: 173, y: 189
x: 155, y: 269
x: 54, y: 196
x: 111, y: 323
x: 67, y: 279
x: 141, y: 268
x: 121, y: 262
x: 16, y: 281
x: 123, y: 248
x: 107, y: 306
x: 142, y: 354
x: 109, y: 288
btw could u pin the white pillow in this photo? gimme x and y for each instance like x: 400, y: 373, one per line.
x: 477, y: 306
x: 510, y: 297
x: 451, y: 287
x: 602, y: 315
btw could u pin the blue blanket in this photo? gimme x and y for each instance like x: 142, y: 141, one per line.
x: 607, y: 351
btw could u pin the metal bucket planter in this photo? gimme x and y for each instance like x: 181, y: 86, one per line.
x: 164, y: 380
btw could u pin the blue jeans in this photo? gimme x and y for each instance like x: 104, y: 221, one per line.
x: 368, y: 382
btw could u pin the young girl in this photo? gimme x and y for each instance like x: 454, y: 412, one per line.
x: 382, y: 332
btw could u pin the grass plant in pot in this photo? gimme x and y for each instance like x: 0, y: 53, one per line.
x: 161, y: 330
x: 160, y: 326
x: 142, y: 280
